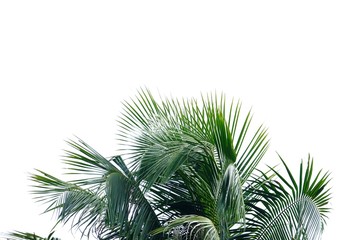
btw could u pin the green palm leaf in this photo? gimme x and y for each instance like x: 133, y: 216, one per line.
x: 296, y: 214
x: 17, y: 235
x: 105, y: 196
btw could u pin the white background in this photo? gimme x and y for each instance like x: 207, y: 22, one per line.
x: 65, y: 67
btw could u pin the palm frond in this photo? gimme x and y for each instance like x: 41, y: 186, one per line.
x: 290, y: 209
x: 18, y: 235
x: 230, y: 201
x: 105, y: 195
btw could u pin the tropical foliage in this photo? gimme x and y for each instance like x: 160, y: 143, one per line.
x: 17, y: 235
x: 188, y: 169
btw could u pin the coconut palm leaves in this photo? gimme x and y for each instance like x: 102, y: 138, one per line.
x: 199, y: 144
x: 288, y: 209
x: 188, y: 171
x: 105, y: 200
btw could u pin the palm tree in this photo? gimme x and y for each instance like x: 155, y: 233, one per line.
x: 188, y: 170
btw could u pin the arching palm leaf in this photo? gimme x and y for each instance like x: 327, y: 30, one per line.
x: 289, y: 209
x: 105, y: 198
x: 17, y: 235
